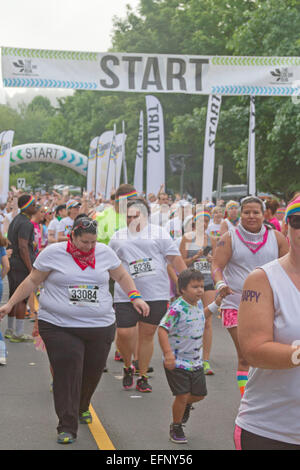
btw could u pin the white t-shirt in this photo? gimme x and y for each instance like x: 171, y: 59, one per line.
x: 73, y: 297
x: 143, y: 255
x: 213, y: 229
x: 174, y: 227
x: 65, y: 226
x: 54, y: 224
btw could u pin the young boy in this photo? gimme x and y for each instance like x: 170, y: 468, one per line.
x: 180, y: 336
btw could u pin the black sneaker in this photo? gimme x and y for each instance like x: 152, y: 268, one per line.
x: 137, y: 370
x: 128, y: 377
x: 142, y: 385
x: 186, y: 413
x: 177, y: 434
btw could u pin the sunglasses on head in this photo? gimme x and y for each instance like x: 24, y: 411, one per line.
x: 85, y: 224
x: 294, y: 221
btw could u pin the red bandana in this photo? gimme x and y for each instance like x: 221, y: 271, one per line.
x: 82, y: 258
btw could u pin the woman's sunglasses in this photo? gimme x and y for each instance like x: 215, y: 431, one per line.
x: 85, y: 224
x: 294, y: 221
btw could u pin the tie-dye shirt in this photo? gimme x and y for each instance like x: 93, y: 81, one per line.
x: 185, y: 325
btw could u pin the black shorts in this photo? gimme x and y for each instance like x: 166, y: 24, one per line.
x: 127, y: 316
x: 183, y: 381
x: 15, y: 278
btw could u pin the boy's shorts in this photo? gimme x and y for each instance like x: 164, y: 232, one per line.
x: 127, y: 316
x: 183, y: 381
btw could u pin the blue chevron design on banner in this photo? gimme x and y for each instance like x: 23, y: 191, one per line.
x: 72, y: 158
x: 255, y: 90
x: 64, y: 155
x: 37, y: 83
x: 80, y: 162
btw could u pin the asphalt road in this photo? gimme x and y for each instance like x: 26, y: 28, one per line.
x: 132, y: 421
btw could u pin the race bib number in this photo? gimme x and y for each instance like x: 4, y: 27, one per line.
x: 84, y: 295
x: 202, y: 265
x: 142, y: 267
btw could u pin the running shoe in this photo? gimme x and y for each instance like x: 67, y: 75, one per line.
x: 8, y: 333
x: 85, y: 417
x: 128, y: 377
x: 177, y: 434
x: 2, y: 361
x: 207, y: 368
x: 21, y: 339
x: 186, y: 413
x: 142, y: 385
x: 65, y: 438
x: 137, y: 370
x: 118, y: 357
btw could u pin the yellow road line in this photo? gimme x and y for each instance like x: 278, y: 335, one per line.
x: 99, y: 434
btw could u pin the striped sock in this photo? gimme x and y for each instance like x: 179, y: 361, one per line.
x: 242, y: 377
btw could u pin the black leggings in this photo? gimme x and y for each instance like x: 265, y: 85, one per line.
x: 78, y: 357
x: 250, y: 441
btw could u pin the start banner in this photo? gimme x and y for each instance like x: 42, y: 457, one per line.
x: 154, y: 73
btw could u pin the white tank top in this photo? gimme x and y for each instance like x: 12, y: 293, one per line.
x: 271, y: 403
x: 242, y: 262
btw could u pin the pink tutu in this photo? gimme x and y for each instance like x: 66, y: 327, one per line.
x: 229, y: 317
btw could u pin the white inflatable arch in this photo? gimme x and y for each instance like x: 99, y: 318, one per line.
x: 50, y: 153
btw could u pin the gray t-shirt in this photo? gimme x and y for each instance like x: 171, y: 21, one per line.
x: 72, y: 297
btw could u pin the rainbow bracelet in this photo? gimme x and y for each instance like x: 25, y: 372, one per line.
x: 134, y: 294
x: 220, y: 284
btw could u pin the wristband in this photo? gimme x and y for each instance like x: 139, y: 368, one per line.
x: 213, y: 307
x: 220, y: 284
x: 134, y: 294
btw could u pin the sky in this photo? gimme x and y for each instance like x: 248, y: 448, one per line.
x: 78, y: 25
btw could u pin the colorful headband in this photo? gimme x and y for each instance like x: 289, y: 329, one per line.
x: 232, y: 204
x: 202, y: 214
x: 292, y: 208
x: 127, y: 196
x: 281, y: 210
x: 28, y: 203
x: 71, y: 204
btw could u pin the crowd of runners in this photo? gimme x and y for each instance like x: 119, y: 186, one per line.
x: 94, y: 274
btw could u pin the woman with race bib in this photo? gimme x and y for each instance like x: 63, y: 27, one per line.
x: 76, y: 319
x: 238, y: 252
x: 196, y: 250
x: 144, y: 249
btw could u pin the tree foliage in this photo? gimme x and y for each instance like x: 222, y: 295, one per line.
x: 206, y: 27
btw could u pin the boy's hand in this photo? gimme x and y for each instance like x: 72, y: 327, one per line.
x: 220, y: 296
x: 169, y: 361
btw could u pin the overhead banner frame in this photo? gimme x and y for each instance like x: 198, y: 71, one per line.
x: 151, y: 73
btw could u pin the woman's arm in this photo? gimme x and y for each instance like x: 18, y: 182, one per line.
x: 255, y: 326
x: 183, y: 251
x: 177, y: 262
x: 121, y: 276
x: 32, y: 281
x: 61, y: 237
x: 221, y: 257
x: 5, y: 266
x: 223, y: 227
